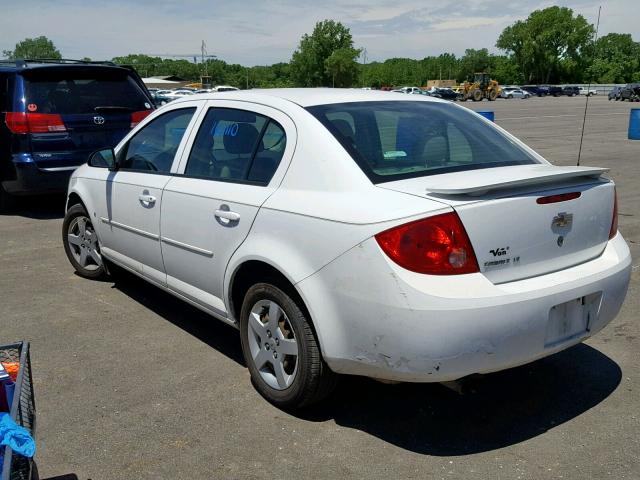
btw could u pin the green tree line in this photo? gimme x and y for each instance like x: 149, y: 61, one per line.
x: 552, y: 45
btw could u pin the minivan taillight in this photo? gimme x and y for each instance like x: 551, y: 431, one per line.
x: 22, y: 122
x: 137, y: 117
x: 437, y: 245
x: 614, y: 220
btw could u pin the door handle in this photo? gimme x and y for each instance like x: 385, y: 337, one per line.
x: 227, y: 215
x: 147, y: 200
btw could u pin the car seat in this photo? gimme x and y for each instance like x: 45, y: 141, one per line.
x: 241, y: 144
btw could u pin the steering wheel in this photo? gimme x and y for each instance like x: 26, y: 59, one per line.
x: 139, y: 159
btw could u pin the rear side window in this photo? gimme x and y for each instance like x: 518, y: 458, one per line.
x: 393, y: 140
x: 71, y: 92
x: 154, y: 147
x: 236, y: 145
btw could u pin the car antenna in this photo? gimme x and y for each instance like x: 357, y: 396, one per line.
x: 586, y: 103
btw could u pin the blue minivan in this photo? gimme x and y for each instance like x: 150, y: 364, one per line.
x: 54, y: 113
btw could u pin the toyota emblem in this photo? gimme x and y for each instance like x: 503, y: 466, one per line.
x: 98, y: 120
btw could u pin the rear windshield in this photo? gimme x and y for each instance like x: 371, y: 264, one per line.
x: 84, y: 92
x: 405, y: 139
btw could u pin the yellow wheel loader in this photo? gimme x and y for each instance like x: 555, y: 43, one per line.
x: 481, y: 87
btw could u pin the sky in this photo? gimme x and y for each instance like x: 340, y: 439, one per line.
x: 258, y: 32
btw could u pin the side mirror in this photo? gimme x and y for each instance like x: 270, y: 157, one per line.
x: 105, y: 158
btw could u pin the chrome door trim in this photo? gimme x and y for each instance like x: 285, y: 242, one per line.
x: 186, y: 246
x: 143, y: 233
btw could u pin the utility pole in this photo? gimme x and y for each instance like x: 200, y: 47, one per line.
x: 203, y: 51
x: 364, y: 62
x: 206, y: 79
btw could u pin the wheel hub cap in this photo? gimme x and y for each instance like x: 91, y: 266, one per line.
x: 83, y: 243
x: 273, y: 345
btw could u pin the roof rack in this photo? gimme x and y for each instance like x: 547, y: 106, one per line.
x: 22, y: 62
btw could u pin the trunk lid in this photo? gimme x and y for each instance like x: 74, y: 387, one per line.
x: 516, y: 235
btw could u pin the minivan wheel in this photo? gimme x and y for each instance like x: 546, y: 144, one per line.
x: 7, y: 201
x: 281, y: 350
x: 81, y: 243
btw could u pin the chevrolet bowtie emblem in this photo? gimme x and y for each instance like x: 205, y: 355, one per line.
x: 563, y: 219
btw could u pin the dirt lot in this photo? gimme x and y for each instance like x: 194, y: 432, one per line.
x: 131, y: 383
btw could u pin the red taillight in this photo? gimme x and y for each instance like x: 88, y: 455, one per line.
x: 437, y: 245
x: 614, y: 220
x: 563, y: 197
x: 137, y: 117
x: 21, y: 122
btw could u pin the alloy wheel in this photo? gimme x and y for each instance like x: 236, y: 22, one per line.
x: 83, y: 243
x: 273, y: 344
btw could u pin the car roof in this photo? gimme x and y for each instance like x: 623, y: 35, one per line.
x: 18, y: 66
x: 307, y: 97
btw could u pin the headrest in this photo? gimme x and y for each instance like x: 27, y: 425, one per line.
x: 240, y: 140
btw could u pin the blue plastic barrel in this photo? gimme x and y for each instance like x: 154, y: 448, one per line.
x: 488, y: 115
x: 634, y: 124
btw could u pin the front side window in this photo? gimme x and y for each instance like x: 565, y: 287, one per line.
x: 392, y: 140
x: 236, y: 145
x: 154, y: 147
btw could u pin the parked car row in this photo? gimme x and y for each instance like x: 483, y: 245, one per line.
x: 162, y: 97
x: 507, y: 91
x: 445, y: 93
x: 630, y: 92
x: 557, y: 91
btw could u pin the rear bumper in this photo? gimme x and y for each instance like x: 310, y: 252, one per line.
x: 30, y: 179
x: 385, y: 322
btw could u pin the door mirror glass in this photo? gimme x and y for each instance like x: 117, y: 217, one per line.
x: 105, y: 158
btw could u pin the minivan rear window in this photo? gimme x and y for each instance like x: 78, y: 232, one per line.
x: 394, y: 140
x: 84, y: 92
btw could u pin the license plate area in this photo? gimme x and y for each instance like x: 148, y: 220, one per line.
x: 572, y: 319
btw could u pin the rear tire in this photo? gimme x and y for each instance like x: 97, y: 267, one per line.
x: 288, y: 380
x: 7, y: 201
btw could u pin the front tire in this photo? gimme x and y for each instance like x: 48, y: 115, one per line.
x: 281, y: 350
x: 81, y: 243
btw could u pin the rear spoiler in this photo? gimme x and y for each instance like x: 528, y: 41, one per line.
x: 479, y: 182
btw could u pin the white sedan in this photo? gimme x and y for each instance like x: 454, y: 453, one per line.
x: 352, y: 232
x: 588, y: 91
x: 514, y: 93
